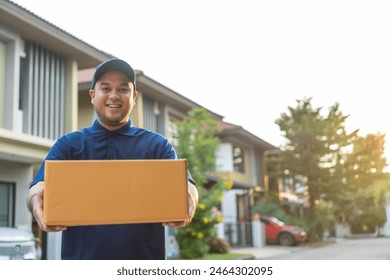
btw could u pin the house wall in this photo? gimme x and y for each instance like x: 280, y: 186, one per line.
x: 20, y: 175
x: 13, y: 49
x: 71, y: 95
x: 235, y: 229
x: 25, y: 141
x: 136, y: 114
x: 2, y: 81
x: 258, y: 163
x: 85, y: 110
x: 229, y: 204
x: 227, y: 172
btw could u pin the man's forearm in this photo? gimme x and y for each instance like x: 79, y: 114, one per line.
x: 32, y: 193
x: 194, y: 193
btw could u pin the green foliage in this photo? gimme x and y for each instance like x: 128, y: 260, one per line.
x: 314, y: 146
x: 325, y: 214
x: 365, y: 164
x: 274, y: 165
x: 218, y: 246
x: 197, y: 142
x: 194, y: 239
x: 367, y: 222
x: 271, y: 209
x: 363, y: 208
x: 191, y: 248
x: 323, y: 221
x: 360, y: 201
x: 341, y: 169
x: 300, y: 222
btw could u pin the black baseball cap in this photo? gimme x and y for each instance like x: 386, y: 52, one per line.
x: 113, y: 64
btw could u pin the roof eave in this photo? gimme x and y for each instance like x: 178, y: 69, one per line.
x: 167, y: 93
x: 31, y: 27
x: 241, y: 133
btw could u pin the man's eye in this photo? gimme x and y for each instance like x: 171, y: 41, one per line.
x: 124, y: 90
x: 105, y: 89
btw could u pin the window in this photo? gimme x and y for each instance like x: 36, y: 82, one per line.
x: 7, y: 202
x: 150, y: 113
x: 42, y: 92
x: 238, y: 159
x: 8, y: 44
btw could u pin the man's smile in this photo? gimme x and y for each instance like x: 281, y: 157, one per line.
x: 114, y: 106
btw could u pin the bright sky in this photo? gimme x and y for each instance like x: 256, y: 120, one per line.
x: 248, y: 60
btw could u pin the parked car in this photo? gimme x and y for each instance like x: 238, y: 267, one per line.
x: 16, y: 244
x: 278, y: 232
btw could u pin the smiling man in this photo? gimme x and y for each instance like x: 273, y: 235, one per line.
x: 113, y: 93
x: 112, y: 136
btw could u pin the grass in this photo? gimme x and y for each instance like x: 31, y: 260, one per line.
x: 227, y: 256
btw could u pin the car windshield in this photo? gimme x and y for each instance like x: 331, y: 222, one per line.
x: 276, y: 221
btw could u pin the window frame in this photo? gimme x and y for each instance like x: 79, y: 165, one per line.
x: 238, y: 160
x: 10, y: 200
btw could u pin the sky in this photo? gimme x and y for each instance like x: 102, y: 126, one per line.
x: 248, y: 60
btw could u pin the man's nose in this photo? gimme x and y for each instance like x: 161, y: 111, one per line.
x: 114, y: 94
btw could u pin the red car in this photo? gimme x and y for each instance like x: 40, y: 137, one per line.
x: 278, y: 232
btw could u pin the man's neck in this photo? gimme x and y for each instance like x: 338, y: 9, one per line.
x: 110, y: 127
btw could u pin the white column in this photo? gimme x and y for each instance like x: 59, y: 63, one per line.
x: 54, y: 241
x: 258, y: 234
x: 386, y: 226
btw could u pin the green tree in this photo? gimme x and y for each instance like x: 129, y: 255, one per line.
x: 366, y: 163
x: 274, y: 169
x: 197, y: 141
x: 342, y: 169
x: 271, y: 209
x: 360, y: 202
x: 315, y: 144
x: 313, y: 147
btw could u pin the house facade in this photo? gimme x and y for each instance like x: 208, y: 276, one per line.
x: 38, y: 100
x: 240, y: 160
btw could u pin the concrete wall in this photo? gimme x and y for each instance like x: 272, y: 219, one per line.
x: 343, y: 230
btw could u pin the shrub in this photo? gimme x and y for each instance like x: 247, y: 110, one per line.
x: 197, y: 141
x: 218, y: 246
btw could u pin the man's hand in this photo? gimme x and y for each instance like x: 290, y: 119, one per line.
x: 193, y: 198
x: 35, y: 205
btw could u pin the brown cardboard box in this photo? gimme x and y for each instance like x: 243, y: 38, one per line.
x: 92, y: 192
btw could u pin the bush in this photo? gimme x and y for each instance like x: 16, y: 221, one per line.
x: 193, y: 248
x: 218, y: 246
x: 197, y: 141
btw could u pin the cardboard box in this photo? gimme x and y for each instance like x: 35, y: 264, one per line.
x: 95, y: 192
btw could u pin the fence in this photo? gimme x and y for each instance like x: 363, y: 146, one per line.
x: 239, y: 234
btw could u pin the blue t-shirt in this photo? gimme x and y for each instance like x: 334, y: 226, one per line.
x: 124, y: 241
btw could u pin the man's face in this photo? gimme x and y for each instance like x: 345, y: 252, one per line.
x: 113, y: 98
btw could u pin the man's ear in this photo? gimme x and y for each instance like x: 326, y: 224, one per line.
x: 135, y: 94
x: 92, y: 94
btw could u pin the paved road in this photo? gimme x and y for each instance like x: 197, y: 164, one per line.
x: 346, y: 249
